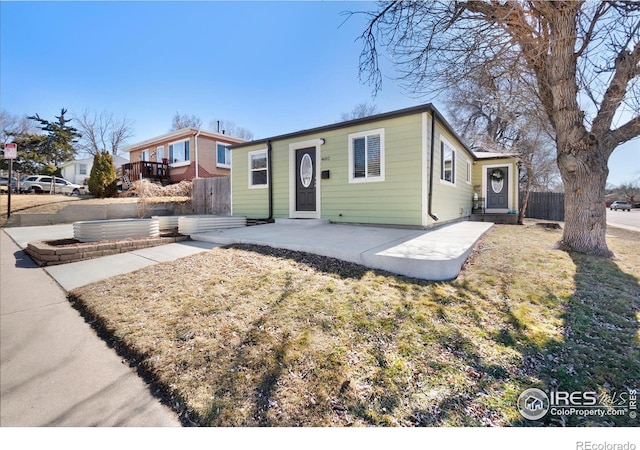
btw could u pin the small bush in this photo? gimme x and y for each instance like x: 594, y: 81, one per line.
x: 102, y: 180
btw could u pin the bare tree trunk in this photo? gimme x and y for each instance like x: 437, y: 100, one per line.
x: 585, y: 210
x: 527, y: 190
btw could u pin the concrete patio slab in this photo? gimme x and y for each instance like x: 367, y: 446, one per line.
x: 436, y: 254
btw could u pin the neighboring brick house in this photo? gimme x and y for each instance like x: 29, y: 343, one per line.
x: 181, y: 155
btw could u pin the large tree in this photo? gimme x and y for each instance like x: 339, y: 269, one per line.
x: 58, y: 145
x: 103, y: 132
x: 584, y: 60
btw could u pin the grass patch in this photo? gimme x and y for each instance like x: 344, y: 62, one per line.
x: 251, y: 336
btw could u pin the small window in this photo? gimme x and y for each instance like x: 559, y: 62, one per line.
x: 448, y: 162
x: 366, y: 156
x: 223, y: 158
x: 258, y: 168
x: 82, y: 169
x: 160, y: 153
x: 179, y: 152
x: 468, y: 172
x: 144, y: 155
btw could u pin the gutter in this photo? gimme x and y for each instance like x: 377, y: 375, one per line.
x: 270, y: 181
x: 431, y: 152
x: 196, y: 149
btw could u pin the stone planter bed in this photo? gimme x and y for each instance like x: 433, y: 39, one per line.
x: 48, y: 253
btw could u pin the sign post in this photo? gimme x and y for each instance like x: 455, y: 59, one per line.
x: 10, y: 153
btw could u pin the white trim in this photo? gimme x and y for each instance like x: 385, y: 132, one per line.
x: 227, y: 145
x: 231, y: 184
x: 425, y: 169
x: 176, y: 164
x: 469, y: 167
x: 367, y: 179
x: 510, y: 204
x: 249, y: 155
x: 454, y: 157
x: 317, y: 143
x: 180, y: 164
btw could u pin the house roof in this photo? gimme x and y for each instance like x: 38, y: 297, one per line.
x: 181, y: 133
x: 428, y: 107
x: 117, y: 161
x: 494, y: 155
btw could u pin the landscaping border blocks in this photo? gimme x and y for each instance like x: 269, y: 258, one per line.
x: 49, y: 255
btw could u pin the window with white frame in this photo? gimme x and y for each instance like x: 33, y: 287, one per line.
x: 179, y: 152
x: 144, y: 155
x: 258, y: 168
x: 160, y: 153
x: 223, y: 158
x: 447, y: 162
x: 366, y: 156
x: 468, y: 172
x: 82, y: 169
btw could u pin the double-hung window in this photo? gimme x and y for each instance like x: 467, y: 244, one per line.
x: 366, y: 156
x: 223, y: 158
x: 179, y: 152
x: 447, y: 162
x: 258, y: 169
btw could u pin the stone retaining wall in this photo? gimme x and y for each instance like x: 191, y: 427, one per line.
x: 48, y: 255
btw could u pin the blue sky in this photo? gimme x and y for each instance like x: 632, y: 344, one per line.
x: 272, y: 67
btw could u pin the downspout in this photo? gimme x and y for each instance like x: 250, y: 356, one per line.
x: 196, y: 150
x: 269, y: 181
x: 432, y: 149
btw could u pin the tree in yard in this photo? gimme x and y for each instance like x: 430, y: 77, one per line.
x: 102, y: 179
x: 359, y: 111
x: 630, y: 191
x: 496, y: 113
x: 57, y: 147
x: 583, y: 59
x: 103, y: 132
x: 30, y: 159
x: 11, y: 124
x: 181, y: 121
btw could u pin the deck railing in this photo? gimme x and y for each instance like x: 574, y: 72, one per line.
x: 146, y: 169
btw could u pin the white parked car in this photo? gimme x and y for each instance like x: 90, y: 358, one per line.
x: 43, y: 183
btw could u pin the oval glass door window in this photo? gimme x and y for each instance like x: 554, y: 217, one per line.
x: 306, y: 170
x: 497, y: 185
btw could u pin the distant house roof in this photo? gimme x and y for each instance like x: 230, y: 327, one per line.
x: 117, y: 161
x: 181, y: 133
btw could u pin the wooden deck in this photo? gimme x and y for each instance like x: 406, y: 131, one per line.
x: 146, y: 169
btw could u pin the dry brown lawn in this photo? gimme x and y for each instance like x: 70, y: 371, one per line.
x: 247, y: 336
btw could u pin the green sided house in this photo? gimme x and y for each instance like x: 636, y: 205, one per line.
x: 406, y: 167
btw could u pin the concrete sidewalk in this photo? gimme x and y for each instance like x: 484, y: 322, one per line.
x: 428, y: 254
x: 73, y: 275
x: 55, y: 371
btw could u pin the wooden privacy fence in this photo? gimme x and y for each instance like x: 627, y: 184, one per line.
x: 211, y: 196
x: 545, y: 205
